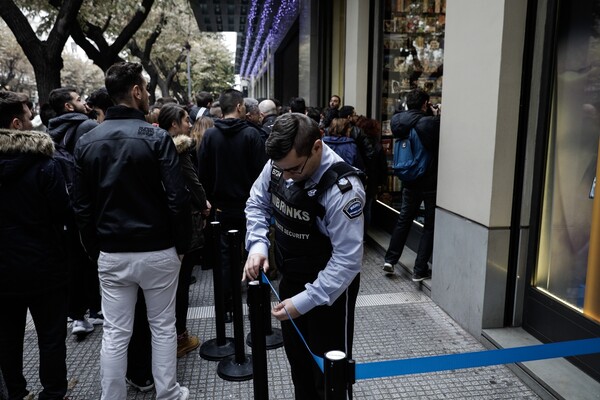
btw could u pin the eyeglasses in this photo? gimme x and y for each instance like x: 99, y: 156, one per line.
x: 297, y: 170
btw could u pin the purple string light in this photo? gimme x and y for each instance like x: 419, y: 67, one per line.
x: 249, y: 30
x: 283, y: 19
x: 258, y: 42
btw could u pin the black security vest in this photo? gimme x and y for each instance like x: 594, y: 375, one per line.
x: 301, y: 250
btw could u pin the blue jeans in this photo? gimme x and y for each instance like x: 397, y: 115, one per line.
x: 411, y: 200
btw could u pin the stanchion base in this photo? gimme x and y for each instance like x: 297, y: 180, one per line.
x: 229, y: 370
x: 273, y: 341
x: 211, y: 351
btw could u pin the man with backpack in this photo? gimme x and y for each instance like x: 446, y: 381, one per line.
x: 70, y: 123
x: 424, y: 134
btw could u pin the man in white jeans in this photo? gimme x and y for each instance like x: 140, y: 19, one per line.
x: 132, y: 209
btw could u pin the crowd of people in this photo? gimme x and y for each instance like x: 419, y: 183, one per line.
x: 104, y: 208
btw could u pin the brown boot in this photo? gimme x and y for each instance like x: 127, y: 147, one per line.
x: 186, y: 343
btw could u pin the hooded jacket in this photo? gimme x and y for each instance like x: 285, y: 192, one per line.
x: 231, y: 158
x: 428, y: 129
x: 33, y: 209
x: 66, y: 129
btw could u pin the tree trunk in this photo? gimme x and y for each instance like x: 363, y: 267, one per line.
x: 47, y: 77
x: 44, y: 56
x: 100, y: 52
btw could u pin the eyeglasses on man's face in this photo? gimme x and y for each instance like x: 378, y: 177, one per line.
x: 297, y: 170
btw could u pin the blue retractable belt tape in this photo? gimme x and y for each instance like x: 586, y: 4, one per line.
x: 380, y: 369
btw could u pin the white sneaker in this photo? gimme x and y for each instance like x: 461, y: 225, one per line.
x: 389, y: 268
x: 96, y: 318
x: 184, y: 393
x: 82, y: 326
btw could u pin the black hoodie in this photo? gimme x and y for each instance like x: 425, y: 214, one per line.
x: 66, y: 129
x: 231, y: 157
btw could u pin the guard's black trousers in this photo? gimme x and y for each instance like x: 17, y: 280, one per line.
x: 325, y: 328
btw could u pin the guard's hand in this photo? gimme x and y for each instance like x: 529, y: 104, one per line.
x: 252, y: 266
x: 279, y: 311
x: 180, y: 256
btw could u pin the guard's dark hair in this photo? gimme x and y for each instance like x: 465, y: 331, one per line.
x: 297, y: 104
x: 11, y: 107
x: 58, y: 97
x: 292, y: 131
x: 416, y: 98
x: 168, y: 113
x: 100, y: 98
x: 229, y: 100
x: 121, y: 78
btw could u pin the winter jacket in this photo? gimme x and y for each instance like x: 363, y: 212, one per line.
x: 33, y: 209
x: 66, y: 129
x: 428, y: 129
x: 231, y: 158
x: 129, y: 193
x: 346, y: 148
x: 185, y: 146
x: 268, y: 122
x: 365, y: 148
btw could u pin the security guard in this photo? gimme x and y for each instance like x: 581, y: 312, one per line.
x: 317, y: 202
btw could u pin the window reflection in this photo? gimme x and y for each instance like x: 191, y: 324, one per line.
x: 567, y: 218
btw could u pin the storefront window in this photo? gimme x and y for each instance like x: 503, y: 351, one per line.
x: 568, y: 267
x: 413, y: 55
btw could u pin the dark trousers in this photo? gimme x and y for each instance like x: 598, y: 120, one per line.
x: 230, y: 219
x: 325, y: 328
x: 84, y: 286
x: 182, y: 296
x: 411, y: 201
x: 139, y: 352
x: 49, y: 313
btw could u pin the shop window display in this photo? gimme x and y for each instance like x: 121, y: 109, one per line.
x: 413, y: 54
x: 568, y: 267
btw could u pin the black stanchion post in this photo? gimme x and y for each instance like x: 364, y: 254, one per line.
x: 338, y: 375
x: 273, y: 336
x: 259, y: 350
x: 221, y: 347
x: 239, y: 366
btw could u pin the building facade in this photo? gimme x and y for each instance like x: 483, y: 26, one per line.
x: 517, y: 236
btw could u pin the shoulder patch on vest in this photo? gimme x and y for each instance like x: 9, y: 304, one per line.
x: 353, y: 208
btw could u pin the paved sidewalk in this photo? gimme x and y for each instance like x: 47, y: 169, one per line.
x: 394, y: 319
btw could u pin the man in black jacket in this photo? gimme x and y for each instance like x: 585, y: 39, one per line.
x: 33, y: 210
x: 65, y: 129
x: 132, y: 209
x: 423, y: 189
x: 231, y: 158
x: 268, y: 114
